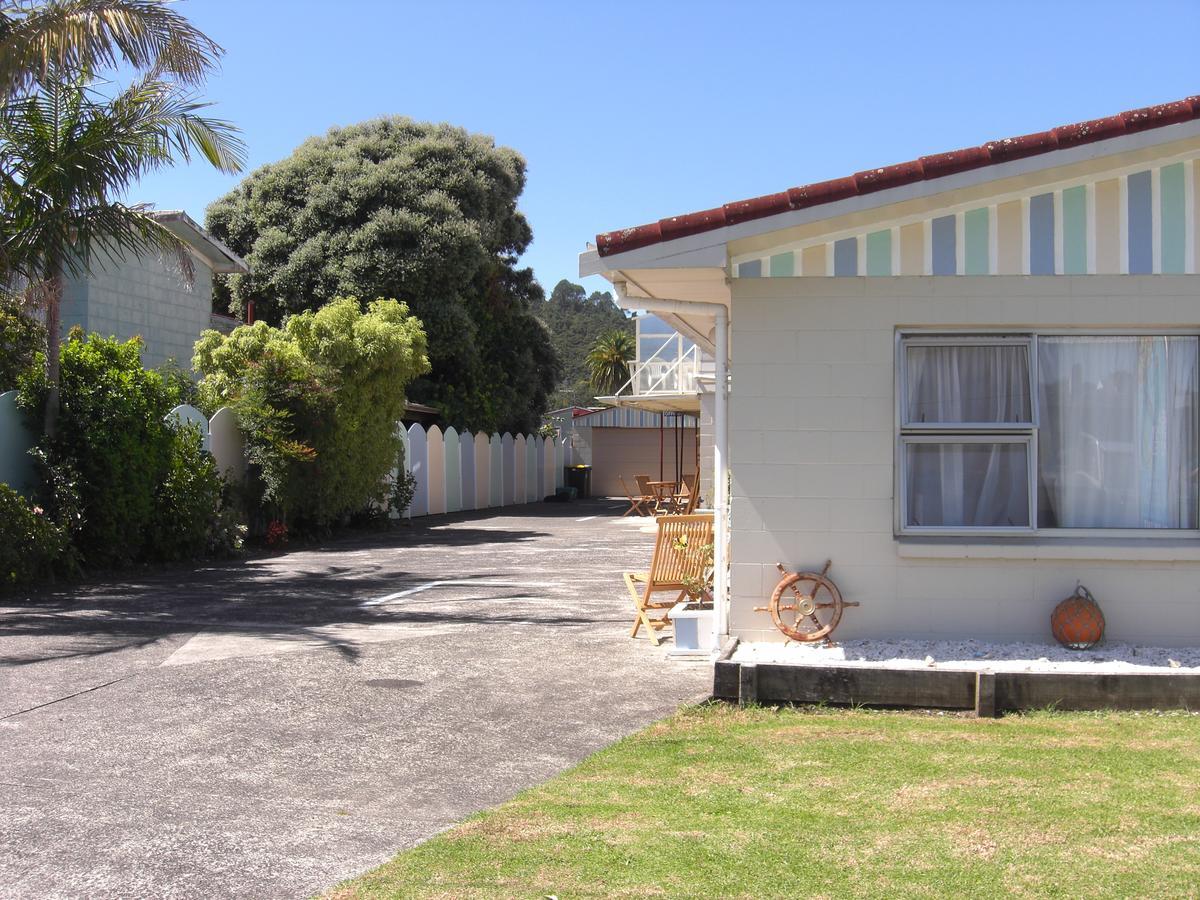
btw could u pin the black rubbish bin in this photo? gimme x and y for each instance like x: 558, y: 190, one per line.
x: 580, y: 478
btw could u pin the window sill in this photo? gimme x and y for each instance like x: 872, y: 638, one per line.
x: 1120, y: 549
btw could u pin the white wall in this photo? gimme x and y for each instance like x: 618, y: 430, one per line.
x: 627, y: 452
x: 146, y: 296
x: 708, y: 408
x: 812, y: 447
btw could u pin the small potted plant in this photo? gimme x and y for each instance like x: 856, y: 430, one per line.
x: 693, y: 617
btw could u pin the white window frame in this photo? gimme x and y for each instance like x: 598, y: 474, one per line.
x: 941, y: 440
x: 1001, y: 340
x: 953, y: 433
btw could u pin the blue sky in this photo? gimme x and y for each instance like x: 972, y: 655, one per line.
x: 628, y: 112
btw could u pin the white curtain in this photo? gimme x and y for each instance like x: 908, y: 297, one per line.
x: 1117, y: 444
x: 954, y: 483
x: 969, y: 485
x: 968, y: 383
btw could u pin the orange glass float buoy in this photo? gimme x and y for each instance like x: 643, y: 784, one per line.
x: 1077, y: 622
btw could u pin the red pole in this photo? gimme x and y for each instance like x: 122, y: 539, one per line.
x: 660, y: 446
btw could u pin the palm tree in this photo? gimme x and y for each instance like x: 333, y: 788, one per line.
x: 65, y: 153
x: 40, y: 40
x: 608, y: 361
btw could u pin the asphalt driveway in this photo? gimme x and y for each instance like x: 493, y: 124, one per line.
x: 269, y: 727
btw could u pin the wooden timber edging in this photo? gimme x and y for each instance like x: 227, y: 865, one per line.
x: 987, y: 693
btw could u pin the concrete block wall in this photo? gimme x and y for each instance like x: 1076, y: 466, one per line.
x: 708, y: 401
x: 812, y: 446
x: 148, y: 297
x: 73, y: 309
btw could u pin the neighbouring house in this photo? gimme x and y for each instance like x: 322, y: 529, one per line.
x: 672, y: 375
x: 421, y: 414
x: 149, y: 296
x: 970, y: 380
x: 623, y: 443
x: 660, y: 421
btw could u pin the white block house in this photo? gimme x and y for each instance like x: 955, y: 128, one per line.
x: 149, y: 296
x: 971, y: 380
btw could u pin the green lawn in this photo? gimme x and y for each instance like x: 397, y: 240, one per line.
x: 721, y: 802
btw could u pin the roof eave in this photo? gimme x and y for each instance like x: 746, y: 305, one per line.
x: 709, y: 244
x: 216, y: 254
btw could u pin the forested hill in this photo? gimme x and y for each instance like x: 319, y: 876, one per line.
x: 576, y: 319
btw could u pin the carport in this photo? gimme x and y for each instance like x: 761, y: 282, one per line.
x: 624, y: 442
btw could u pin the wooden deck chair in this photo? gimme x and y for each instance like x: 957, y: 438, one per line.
x: 637, y: 502
x: 669, y: 567
x: 690, y: 493
x: 653, y: 498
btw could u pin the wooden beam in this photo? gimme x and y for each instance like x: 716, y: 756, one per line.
x: 870, y: 686
x: 747, y: 684
x: 985, y: 695
x: 1076, y: 690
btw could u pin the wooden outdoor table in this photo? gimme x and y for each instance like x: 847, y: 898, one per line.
x: 667, y: 500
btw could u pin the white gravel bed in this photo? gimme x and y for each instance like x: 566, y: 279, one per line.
x: 1110, y: 656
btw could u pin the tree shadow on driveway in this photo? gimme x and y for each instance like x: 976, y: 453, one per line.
x: 306, y: 593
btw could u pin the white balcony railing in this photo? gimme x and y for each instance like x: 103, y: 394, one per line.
x: 664, y: 375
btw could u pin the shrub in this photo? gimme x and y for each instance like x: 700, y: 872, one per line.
x: 318, y: 401
x: 144, y: 490
x: 179, y: 382
x: 32, y: 544
x: 404, y: 486
x: 191, y: 516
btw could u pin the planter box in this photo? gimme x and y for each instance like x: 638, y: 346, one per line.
x: 693, y: 630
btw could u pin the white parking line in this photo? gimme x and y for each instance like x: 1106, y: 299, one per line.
x: 400, y: 595
x: 585, y: 519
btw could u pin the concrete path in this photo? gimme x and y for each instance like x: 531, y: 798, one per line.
x: 269, y: 727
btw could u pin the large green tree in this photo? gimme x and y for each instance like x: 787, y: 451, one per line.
x: 427, y: 213
x: 576, y: 321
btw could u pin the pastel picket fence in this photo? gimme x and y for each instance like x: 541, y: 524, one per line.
x: 16, y: 440
x: 452, y: 471
x: 496, y: 465
x: 226, y: 445
x: 220, y: 436
x: 455, y: 472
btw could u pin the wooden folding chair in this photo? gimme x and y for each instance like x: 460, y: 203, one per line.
x: 669, y: 567
x: 654, y: 498
x: 689, y: 494
x: 637, y: 502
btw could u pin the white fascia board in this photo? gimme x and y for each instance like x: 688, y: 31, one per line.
x: 709, y: 254
x: 589, y: 263
x: 214, y: 253
x: 708, y: 245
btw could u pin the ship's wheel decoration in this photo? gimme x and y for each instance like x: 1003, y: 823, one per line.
x: 806, y: 606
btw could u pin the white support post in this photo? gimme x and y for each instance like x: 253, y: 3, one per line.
x: 720, y: 480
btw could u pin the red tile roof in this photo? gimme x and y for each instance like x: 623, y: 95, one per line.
x: 924, y: 169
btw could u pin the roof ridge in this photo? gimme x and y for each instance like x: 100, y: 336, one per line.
x: 924, y: 168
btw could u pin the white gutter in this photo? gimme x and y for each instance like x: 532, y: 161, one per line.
x: 653, y: 304
x: 720, y: 438
x: 720, y: 481
x: 676, y: 309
